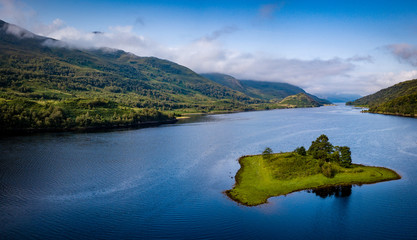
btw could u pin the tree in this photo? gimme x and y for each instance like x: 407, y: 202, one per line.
x: 345, y: 156
x: 321, y: 148
x: 301, y: 151
x: 335, y: 155
x: 328, y: 170
x: 266, y: 154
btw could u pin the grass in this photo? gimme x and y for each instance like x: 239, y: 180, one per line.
x: 259, y: 179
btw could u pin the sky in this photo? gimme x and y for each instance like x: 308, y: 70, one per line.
x: 325, y: 47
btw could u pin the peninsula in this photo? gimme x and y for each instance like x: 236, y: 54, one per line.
x: 322, y: 165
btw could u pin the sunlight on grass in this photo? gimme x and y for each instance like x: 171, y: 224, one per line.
x: 284, y: 173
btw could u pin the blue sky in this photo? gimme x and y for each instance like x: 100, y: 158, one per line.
x: 323, y: 46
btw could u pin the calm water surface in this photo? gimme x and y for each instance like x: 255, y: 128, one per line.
x: 167, y: 182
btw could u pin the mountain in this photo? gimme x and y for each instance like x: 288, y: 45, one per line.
x: 400, y: 99
x: 341, y: 98
x: 300, y: 100
x: 225, y: 80
x: 46, y: 84
x: 261, y: 89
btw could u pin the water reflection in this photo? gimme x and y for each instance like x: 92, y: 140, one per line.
x: 337, y: 191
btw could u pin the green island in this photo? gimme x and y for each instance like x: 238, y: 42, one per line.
x: 322, y: 165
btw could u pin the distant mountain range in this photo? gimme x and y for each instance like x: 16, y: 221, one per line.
x: 341, y: 98
x: 47, y: 84
x: 400, y: 99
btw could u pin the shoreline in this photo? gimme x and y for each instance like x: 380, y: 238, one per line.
x: 19, y: 132
x: 383, y: 113
x: 393, y: 114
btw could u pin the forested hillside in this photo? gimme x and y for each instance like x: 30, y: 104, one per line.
x: 300, y: 100
x: 46, y: 84
x: 400, y: 99
x: 268, y: 91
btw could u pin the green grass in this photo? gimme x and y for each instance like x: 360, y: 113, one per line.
x: 259, y: 179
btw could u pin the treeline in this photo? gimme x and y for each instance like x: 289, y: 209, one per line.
x: 405, y: 105
x: 322, y: 150
x: 399, y: 99
x: 321, y: 157
x: 21, y: 115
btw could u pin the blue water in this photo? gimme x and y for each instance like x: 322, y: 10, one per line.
x: 167, y: 181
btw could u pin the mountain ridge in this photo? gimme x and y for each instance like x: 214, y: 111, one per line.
x: 261, y: 89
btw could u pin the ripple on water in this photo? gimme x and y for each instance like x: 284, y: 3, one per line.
x: 167, y: 182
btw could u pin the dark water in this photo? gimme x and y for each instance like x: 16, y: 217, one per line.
x: 167, y: 182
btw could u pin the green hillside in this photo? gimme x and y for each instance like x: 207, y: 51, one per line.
x: 269, y: 91
x: 47, y: 85
x: 256, y: 89
x: 400, y: 99
x: 300, y: 100
x: 44, y: 87
x: 225, y: 80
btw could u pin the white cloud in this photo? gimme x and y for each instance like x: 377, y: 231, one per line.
x: 17, y: 31
x: 16, y: 12
x: 210, y: 56
x: 371, y: 83
x: 47, y: 30
x: 404, y: 53
x: 118, y: 37
x: 223, y: 31
x: 358, y: 58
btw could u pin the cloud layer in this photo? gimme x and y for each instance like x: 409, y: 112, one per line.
x: 404, y: 53
x: 207, y: 54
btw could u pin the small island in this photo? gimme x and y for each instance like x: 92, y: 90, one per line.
x: 322, y: 165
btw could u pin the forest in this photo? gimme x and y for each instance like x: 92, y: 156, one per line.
x: 400, y: 99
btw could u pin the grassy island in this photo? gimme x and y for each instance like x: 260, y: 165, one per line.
x: 267, y: 175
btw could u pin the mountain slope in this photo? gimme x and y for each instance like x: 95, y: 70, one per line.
x: 400, y: 99
x: 260, y: 89
x: 300, y: 100
x: 92, y: 69
x: 45, y: 84
x: 225, y: 80
x: 270, y: 90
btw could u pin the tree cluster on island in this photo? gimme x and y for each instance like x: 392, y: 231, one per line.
x: 323, y: 152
